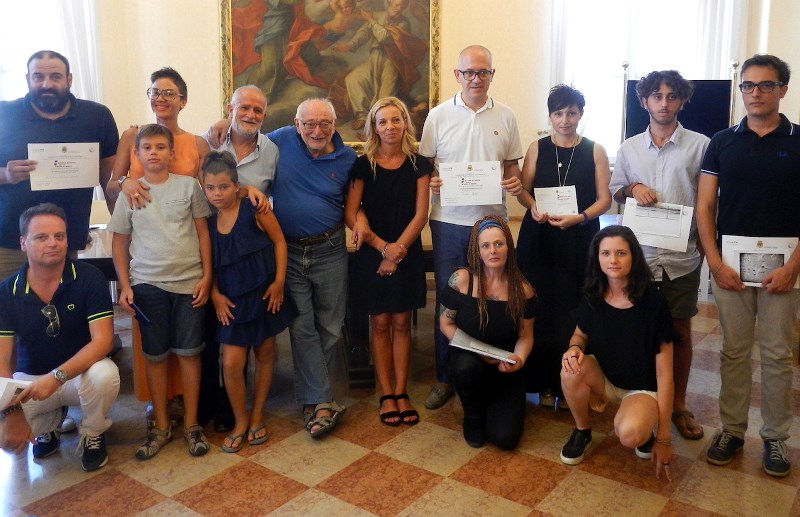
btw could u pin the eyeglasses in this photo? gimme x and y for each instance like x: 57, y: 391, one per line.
x: 470, y: 74
x: 153, y: 94
x: 51, y: 314
x: 325, y: 125
x: 763, y: 86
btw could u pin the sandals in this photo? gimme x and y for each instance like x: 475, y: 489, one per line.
x: 686, y: 425
x: 156, y: 439
x: 409, y: 416
x: 318, y: 426
x: 386, y: 417
x: 254, y: 439
x: 237, y: 443
x: 198, y: 443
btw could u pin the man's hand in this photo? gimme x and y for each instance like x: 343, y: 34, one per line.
x: 780, y: 280
x: 435, y: 184
x: 644, y: 195
x: 217, y: 133
x: 136, y: 193
x: 727, y: 278
x: 15, y: 433
x: 17, y: 171
x: 512, y: 185
x: 361, y: 233
x: 40, y: 389
x: 257, y: 199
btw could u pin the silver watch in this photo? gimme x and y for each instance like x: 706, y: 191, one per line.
x: 121, y: 180
x: 60, y: 375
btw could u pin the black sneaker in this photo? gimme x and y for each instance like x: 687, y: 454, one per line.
x: 46, y: 444
x: 645, y: 451
x: 94, y: 452
x: 722, y: 449
x: 776, y: 458
x: 572, y: 452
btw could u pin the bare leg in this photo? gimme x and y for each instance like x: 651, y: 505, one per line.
x: 190, y: 375
x: 401, y: 352
x: 682, y: 360
x: 265, y: 363
x: 233, y: 359
x: 382, y: 356
x: 156, y: 373
x: 578, y: 388
x: 635, y: 420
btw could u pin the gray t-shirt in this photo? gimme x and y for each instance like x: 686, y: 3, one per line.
x: 165, y: 248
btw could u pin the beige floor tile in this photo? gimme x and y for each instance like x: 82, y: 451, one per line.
x: 450, y: 498
x: 431, y: 447
x: 314, y: 502
x: 167, y: 508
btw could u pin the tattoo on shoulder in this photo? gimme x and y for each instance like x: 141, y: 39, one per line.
x: 449, y: 313
x: 493, y: 297
x: 453, y: 280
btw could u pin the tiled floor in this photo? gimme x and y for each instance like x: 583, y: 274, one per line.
x: 365, y: 468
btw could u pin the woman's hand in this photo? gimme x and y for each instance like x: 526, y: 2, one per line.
x: 222, y: 307
x: 136, y: 193
x: 275, y: 296
x: 387, y: 267
x: 539, y: 217
x: 565, y: 221
x: 508, y: 367
x: 395, y: 252
x: 662, y: 457
x: 571, y: 359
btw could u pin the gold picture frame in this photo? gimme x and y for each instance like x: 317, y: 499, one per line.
x: 320, y: 50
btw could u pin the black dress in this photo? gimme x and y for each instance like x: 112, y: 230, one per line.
x: 554, y: 261
x: 494, y: 398
x: 390, y: 203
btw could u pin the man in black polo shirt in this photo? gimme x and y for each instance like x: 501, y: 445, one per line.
x: 753, y: 171
x: 59, y: 311
x: 49, y: 113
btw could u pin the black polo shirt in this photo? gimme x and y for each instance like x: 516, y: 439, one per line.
x: 759, y: 180
x: 82, y: 298
x: 20, y: 125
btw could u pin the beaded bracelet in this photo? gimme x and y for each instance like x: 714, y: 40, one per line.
x: 11, y: 409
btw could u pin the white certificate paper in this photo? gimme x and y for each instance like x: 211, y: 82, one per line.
x: 471, y: 183
x: 754, y: 257
x: 556, y: 200
x: 63, y: 166
x: 10, y: 388
x: 663, y: 225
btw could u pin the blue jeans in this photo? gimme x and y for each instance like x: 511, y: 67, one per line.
x: 450, y: 242
x: 316, y: 275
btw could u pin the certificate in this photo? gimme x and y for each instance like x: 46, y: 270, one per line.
x: 663, y: 225
x: 755, y: 257
x: 471, y: 183
x: 10, y: 388
x: 556, y: 200
x: 63, y: 166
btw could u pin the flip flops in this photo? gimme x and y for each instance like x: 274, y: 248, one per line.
x: 685, y: 423
x: 254, y: 439
x: 234, y: 447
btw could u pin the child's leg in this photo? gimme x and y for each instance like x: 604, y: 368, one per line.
x: 265, y: 363
x: 635, y: 420
x: 233, y: 359
x: 190, y: 377
x: 156, y: 372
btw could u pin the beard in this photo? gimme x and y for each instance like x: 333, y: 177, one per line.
x: 53, y: 103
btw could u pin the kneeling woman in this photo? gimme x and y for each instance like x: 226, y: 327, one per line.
x: 490, y: 301
x: 621, y: 351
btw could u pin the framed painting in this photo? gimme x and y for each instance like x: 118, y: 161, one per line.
x: 352, y: 52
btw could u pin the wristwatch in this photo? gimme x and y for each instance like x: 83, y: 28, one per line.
x: 60, y: 375
x: 121, y: 180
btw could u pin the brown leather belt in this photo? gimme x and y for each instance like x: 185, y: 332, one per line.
x: 316, y: 239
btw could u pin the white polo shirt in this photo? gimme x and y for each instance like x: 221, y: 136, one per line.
x: 455, y: 133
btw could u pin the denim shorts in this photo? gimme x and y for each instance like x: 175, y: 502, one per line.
x: 175, y: 326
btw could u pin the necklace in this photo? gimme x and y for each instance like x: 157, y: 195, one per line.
x: 558, y: 161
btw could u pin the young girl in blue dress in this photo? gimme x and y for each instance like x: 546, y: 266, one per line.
x: 249, y: 258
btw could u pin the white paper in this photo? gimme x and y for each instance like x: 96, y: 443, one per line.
x: 466, y: 342
x: 471, y: 183
x: 556, y: 200
x: 664, y: 225
x: 9, y: 388
x: 63, y: 166
x: 754, y: 257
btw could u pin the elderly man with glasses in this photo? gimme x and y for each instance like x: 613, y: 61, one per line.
x: 59, y: 312
x: 469, y: 127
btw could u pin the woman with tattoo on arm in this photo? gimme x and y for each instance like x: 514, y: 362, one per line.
x: 491, y: 302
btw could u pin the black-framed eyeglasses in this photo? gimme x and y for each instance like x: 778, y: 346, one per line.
x: 51, y: 314
x: 169, y: 94
x: 325, y: 125
x: 763, y: 86
x: 470, y: 74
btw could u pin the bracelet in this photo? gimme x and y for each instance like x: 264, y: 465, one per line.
x: 579, y: 346
x: 714, y: 273
x: 585, y: 218
x: 633, y: 186
x: 383, y: 253
x: 11, y: 409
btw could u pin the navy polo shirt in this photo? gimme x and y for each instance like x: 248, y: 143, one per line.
x: 86, y: 121
x: 759, y: 180
x: 81, y: 298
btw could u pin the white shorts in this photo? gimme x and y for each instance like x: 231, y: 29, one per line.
x: 613, y: 394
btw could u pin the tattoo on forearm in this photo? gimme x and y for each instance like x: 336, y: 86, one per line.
x: 453, y: 280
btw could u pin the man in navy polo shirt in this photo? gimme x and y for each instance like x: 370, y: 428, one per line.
x: 749, y: 187
x: 49, y: 113
x: 59, y: 312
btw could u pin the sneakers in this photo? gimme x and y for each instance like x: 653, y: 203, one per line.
x: 198, y: 444
x: 645, y: 451
x: 723, y: 448
x: 572, y: 452
x: 94, y: 452
x: 67, y: 423
x: 438, y: 395
x: 156, y: 439
x: 46, y: 444
x: 776, y: 458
